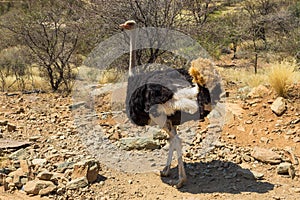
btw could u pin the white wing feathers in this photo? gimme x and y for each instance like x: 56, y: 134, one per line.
x: 184, y: 100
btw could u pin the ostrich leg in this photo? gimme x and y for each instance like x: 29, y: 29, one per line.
x: 181, y: 171
x: 175, y: 144
x: 166, y: 170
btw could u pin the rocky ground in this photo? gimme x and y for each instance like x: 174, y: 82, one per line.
x: 47, y: 152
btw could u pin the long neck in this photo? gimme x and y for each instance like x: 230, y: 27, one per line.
x: 132, y: 58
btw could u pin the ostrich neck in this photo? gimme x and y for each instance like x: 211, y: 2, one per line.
x: 132, y: 58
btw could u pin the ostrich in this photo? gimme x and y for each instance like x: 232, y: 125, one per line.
x: 166, y: 98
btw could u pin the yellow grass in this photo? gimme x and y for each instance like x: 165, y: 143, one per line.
x: 29, y: 83
x: 245, y: 77
x: 110, y: 76
x: 282, y: 75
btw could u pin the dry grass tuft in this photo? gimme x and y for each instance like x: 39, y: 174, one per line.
x: 110, y: 76
x: 281, y: 76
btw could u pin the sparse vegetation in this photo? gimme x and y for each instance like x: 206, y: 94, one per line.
x: 245, y: 77
x: 56, y: 32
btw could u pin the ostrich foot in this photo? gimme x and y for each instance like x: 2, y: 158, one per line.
x: 166, y: 171
x: 178, y: 183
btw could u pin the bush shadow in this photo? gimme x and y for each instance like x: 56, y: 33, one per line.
x: 219, y: 176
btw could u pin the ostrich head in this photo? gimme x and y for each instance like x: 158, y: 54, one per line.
x: 128, y: 25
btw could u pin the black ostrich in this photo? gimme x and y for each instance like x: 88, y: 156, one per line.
x: 166, y: 98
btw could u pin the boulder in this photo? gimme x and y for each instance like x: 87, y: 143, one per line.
x: 279, y: 106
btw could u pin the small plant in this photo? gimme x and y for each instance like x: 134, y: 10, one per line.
x: 281, y: 77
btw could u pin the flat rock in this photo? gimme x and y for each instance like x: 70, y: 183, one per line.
x: 139, y: 143
x: 3, y: 122
x: 157, y: 133
x: 249, y: 174
x: 18, y: 155
x: 39, y: 161
x: 77, y: 105
x: 39, y: 186
x: 266, y: 155
x: 45, y: 175
x: 62, y: 166
x: 296, y: 190
x: 11, y: 127
x: 296, y: 139
x: 13, y: 144
x: 77, y: 183
x: 279, y: 106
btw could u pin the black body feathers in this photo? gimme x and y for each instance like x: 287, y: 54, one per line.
x: 157, y: 87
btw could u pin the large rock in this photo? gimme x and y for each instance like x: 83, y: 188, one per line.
x: 89, y: 169
x: 279, y: 106
x: 39, y: 187
x: 266, y: 155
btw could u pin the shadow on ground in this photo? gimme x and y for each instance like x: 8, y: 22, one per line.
x: 218, y: 176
